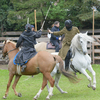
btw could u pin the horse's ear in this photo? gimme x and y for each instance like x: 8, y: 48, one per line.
x: 4, y: 42
x: 86, y: 32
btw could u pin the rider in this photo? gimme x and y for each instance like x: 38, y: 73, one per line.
x: 37, y: 35
x: 54, y: 39
x: 27, y: 50
x: 69, y: 31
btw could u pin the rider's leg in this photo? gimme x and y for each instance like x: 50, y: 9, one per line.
x: 23, y: 68
x: 56, y: 47
x: 67, y: 59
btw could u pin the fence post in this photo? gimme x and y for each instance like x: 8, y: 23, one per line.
x: 93, y: 35
x: 35, y: 20
x: 93, y: 52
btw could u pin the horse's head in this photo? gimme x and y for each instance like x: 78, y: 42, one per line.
x: 8, y: 46
x: 83, y: 44
x: 80, y: 42
x: 4, y: 49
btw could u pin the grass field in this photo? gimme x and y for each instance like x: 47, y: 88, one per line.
x: 29, y: 87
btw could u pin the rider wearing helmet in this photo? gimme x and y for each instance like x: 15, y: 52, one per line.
x: 27, y: 51
x: 69, y: 31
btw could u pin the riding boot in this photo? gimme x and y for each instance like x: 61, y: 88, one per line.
x: 67, y: 64
x: 23, y: 68
x: 67, y: 59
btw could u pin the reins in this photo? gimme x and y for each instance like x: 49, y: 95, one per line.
x: 10, y: 51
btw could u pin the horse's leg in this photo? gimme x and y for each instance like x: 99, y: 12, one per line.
x: 88, y: 77
x: 47, y: 87
x: 94, y: 78
x: 43, y: 85
x: 51, y: 80
x: 52, y: 74
x: 14, y: 85
x: 57, y: 78
x: 8, y: 85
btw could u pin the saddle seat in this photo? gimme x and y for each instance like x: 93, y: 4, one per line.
x: 52, y: 46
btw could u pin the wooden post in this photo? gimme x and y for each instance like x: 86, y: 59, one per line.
x: 93, y: 21
x: 35, y: 20
x: 93, y: 52
x: 93, y: 35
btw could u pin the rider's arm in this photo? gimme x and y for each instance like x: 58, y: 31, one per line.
x: 38, y: 34
x: 58, y: 33
x: 19, y: 41
x: 54, y: 37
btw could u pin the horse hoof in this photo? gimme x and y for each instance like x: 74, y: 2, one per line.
x: 4, y: 97
x: 64, y: 92
x: 34, y: 98
x: 19, y: 95
x: 88, y: 86
x: 47, y: 98
x: 93, y: 88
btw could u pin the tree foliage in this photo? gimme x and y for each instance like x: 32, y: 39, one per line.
x: 14, y: 13
x: 5, y: 6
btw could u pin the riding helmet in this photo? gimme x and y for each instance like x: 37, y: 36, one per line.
x: 68, y: 24
x: 28, y: 27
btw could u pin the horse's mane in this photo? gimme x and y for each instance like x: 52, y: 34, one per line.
x: 9, y: 41
x: 13, y: 42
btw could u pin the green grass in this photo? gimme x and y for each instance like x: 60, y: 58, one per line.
x: 29, y: 88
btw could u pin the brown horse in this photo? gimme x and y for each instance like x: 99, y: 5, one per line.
x: 42, y: 62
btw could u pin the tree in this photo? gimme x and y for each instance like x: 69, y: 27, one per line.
x: 4, y: 8
x: 79, y: 11
x: 24, y: 9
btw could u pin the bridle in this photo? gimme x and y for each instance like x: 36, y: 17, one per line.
x: 9, y: 52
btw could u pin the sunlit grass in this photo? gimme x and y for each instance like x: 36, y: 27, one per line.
x: 29, y: 86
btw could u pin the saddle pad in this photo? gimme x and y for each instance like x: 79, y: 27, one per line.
x: 50, y: 46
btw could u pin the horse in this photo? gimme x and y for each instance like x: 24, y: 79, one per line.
x: 42, y: 62
x: 80, y: 60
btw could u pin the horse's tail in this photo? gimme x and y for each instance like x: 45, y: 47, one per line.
x: 72, y: 78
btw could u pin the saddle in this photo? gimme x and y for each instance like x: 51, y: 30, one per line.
x: 18, y: 63
x: 52, y: 46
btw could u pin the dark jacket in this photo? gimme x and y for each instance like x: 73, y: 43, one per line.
x: 53, y: 37
x: 37, y: 35
x: 27, y: 50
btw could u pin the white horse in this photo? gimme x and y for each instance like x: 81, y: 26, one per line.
x: 80, y: 60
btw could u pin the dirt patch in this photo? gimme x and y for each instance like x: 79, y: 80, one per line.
x: 4, y: 67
